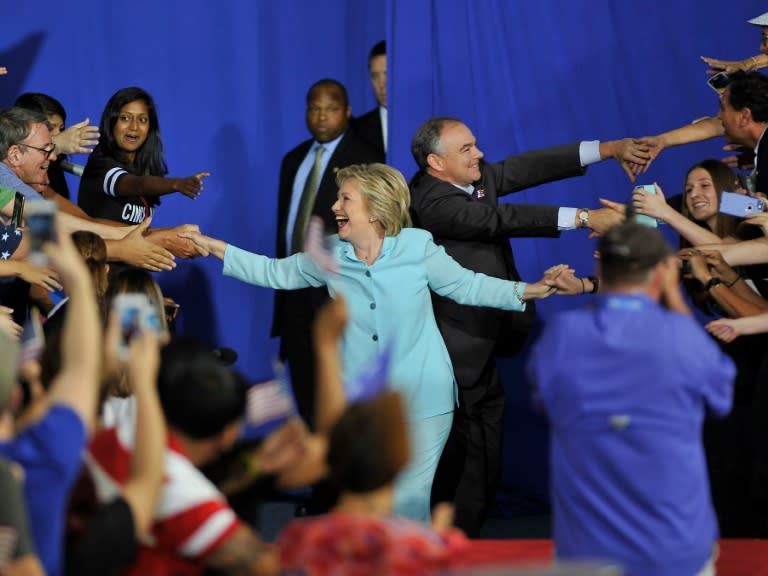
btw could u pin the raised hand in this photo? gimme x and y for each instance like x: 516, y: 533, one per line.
x: 7, y: 324
x: 137, y: 250
x: 191, y: 186
x: 761, y: 220
x: 728, y: 66
x: 79, y: 138
x: 39, y: 276
x: 651, y: 204
x: 603, y: 219
x: 719, y: 267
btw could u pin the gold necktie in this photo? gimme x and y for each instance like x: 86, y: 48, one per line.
x: 307, y: 203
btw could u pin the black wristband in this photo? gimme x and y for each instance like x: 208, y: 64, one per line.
x: 595, y: 283
x: 712, y: 283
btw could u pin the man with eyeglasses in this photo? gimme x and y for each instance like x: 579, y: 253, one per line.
x: 26, y: 149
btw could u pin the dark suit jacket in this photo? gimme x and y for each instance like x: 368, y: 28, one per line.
x: 352, y: 149
x: 475, y: 231
x: 369, y: 127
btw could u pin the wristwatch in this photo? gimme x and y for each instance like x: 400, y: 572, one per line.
x: 713, y: 282
x: 583, y: 214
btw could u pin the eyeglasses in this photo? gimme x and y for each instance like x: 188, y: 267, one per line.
x: 47, y: 151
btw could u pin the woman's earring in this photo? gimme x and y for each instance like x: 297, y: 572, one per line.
x: 371, y: 219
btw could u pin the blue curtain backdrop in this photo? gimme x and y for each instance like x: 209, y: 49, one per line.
x: 230, y: 79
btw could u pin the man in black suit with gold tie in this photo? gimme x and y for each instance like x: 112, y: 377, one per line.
x: 308, y: 187
x: 372, y: 126
x: 455, y: 197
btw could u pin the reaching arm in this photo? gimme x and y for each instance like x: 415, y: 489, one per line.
x: 79, y: 138
x: 328, y: 329
x: 137, y: 250
x: 655, y: 205
x: 728, y: 329
x: 704, y: 129
x: 742, y: 253
x: 755, y: 62
x: 132, y: 185
x: 708, y: 265
x: 77, y: 383
x: 206, y: 244
x: 628, y: 152
x: 147, y: 466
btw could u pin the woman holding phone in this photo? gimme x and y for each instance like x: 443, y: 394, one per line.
x: 720, y: 290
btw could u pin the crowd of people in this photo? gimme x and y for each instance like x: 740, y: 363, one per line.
x: 121, y: 444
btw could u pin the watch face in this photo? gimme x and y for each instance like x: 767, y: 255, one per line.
x: 583, y: 216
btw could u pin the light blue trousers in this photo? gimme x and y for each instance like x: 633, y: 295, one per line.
x: 414, y: 485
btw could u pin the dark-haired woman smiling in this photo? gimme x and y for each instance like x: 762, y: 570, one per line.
x: 126, y: 174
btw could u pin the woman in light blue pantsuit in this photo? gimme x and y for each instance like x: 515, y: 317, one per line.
x: 386, y: 271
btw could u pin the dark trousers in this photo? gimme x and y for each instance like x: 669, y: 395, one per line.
x: 297, y: 316
x: 470, y: 467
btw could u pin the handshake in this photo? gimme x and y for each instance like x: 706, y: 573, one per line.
x: 560, y: 279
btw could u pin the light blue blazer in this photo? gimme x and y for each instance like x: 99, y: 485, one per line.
x: 389, y: 304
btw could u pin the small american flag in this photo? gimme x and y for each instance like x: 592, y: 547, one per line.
x: 480, y: 192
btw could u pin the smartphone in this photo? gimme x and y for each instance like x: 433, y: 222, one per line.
x: 136, y: 314
x: 740, y: 205
x: 41, y: 228
x: 718, y: 81
x: 18, y: 210
x: 644, y: 219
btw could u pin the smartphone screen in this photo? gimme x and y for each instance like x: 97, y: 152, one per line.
x: 644, y: 219
x: 41, y: 228
x: 18, y: 210
x: 718, y: 82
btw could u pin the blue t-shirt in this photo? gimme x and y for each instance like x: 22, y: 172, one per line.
x: 50, y: 452
x: 626, y: 385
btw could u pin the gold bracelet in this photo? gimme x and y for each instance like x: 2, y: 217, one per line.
x: 755, y: 63
x: 515, y: 286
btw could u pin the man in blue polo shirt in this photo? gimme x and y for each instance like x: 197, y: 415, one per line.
x: 626, y: 384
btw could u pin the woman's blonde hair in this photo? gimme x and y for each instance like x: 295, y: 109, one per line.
x: 385, y: 191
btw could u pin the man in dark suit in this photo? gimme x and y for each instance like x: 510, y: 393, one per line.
x: 372, y: 126
x: 328, y: 114
x: 454, y: 196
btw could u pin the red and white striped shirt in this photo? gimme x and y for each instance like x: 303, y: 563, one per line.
x: 192, y: 517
